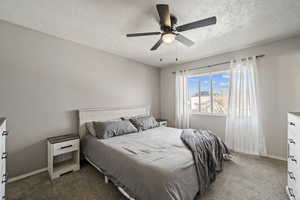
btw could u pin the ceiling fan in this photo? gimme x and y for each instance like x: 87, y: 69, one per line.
x: 169, y: 30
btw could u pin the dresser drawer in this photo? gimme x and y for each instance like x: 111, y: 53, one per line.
x: 292, y: 133
x: 2, y: 131
x: 293, y: 124
x: 2, y: 185
x: 2, y: 127
x: 292, y: 178
x: 65, y: 147
x: 3, y: 167
x: 293, y: 147
x: 3, y: 192
x: 293, y: 162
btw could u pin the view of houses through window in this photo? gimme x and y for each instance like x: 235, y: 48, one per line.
x: 208, y: 93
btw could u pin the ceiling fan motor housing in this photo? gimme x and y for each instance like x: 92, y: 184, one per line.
x: 168, y: 29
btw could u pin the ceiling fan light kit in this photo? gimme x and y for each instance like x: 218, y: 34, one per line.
x: 168, y: 37
x: 169, y: 30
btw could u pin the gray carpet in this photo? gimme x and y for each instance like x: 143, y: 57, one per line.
x: 243, y: 178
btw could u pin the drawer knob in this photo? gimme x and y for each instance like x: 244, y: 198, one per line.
x: 293, y: 159
x: 292, y: 141
x: 291, y: 192
x: 4, y: 178
x: 292, y: 124
x: 4, y: 155
x: 4, y: 133
x: 291, y: 175
x: 68, y: 146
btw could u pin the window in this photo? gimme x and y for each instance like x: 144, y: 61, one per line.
x: 208, y: 93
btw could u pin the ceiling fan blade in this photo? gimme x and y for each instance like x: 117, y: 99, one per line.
x: 142, y: 34
x: 197, y: 24
x: 158, y: 43
x: 164, y: 14
x: 184, y: 40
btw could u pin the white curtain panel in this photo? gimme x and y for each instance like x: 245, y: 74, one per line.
x: 244, y: 131
x: 181, y: 101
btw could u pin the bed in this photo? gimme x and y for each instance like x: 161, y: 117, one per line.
x: 153, y: 164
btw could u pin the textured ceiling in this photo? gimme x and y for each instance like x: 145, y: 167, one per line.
x: 103, y: 24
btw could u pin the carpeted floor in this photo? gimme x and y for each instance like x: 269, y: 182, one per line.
x: 243, y: 178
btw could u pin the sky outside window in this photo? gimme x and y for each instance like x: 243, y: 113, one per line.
x: 200, y: 88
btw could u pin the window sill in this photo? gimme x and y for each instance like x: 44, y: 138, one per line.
x: 208, y: 115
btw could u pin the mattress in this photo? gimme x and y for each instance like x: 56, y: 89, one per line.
x: 149, y: 165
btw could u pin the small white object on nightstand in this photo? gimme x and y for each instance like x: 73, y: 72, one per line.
x: 63, y: 155
x: 162, y: 122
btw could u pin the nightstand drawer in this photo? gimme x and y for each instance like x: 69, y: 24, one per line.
x: 65, y: 147
x: 164, y: 123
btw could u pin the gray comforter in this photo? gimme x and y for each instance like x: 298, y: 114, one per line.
x: 152, y: 165
x: 208, y: 151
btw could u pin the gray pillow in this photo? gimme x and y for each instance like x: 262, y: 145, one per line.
x: 144, y: 123
x: 110, y: 129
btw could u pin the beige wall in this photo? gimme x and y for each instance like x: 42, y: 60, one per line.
x: 279, y: 73
x: 43, y: 80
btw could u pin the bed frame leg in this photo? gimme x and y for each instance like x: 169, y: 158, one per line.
x: 106, y: 179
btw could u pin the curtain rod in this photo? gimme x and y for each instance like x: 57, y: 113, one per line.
x: 213, y: 65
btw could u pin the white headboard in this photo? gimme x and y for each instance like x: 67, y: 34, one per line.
x: 108, y: 113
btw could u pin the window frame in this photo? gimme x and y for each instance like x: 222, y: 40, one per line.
x: 210, y: 74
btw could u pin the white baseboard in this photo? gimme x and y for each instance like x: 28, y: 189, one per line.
x: 265, y: 155
x: 45, y: 169
x: 16, y: 178
x: 276, y: 157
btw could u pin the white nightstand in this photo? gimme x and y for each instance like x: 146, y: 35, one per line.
x: 162, y: 122
x: 63, y: 155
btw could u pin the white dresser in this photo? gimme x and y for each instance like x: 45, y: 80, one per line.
x: 293, y: 174
x: 3, y: 155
